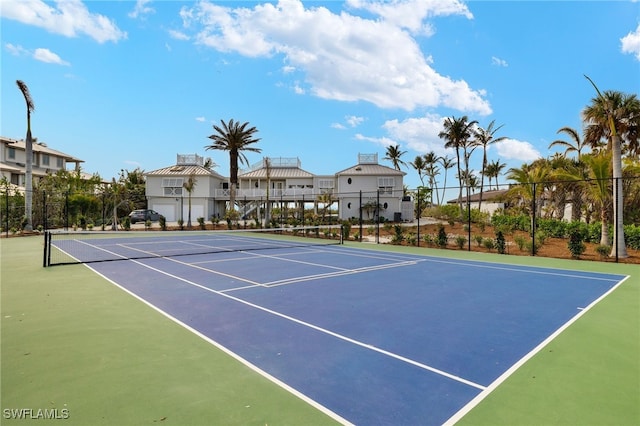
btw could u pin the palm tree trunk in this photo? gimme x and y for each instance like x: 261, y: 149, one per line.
x: 459, y: 182
x: 619, y: 247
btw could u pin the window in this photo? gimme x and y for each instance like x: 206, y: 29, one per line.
x: 385, y: 185
x: 45, y: 159
x: 325, y: 183
x: 172, y: 186
x: 173, y: 182
x: 59, y: 163
x: 12, y: 153
x: 171, y: 191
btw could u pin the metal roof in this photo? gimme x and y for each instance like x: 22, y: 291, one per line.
x: 277, y: 173
x: 39, y: 147
x: 370, y: 169
x: 184, y: 170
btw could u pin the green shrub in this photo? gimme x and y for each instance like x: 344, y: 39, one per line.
x: 501, y: 244
x: 163, y: 223
x: 489, y: 244
x: 519, y: 222
x: 201, y: 222
x: 398, y: 237
x: 478, y: 239
x: 441, y: 239
x: 632, y: 236
x: 460, y: 241
x: 520, y: 242
x: 603, y: 250
x: 428, y: 239
x: 576, y: 244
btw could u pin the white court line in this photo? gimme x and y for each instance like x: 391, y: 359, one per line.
x: 482, y: 395
x: 232, y: 354
x: 317, y: 328
x: 335, y: 274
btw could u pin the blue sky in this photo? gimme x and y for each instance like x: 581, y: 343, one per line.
x: 126, y: 84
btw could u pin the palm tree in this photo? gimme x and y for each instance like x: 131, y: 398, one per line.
x: 577, y: 146
x: 28, y: 184
x: 484, y: 138
x: 189, y: 186
x: 493, y: 170
x: 447, y: 163
x: 235, y: 138
x: 431, y: 170
x: 531, y: 181
x: 394, y: 155
x: 419, y: 165
x: 614, y: 116
x: 456, y: 133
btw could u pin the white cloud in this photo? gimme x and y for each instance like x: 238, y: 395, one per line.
x: 343, y: 57
x: 178, y: 35
x: 411, y: 14
x: 512, y: 149
x: 67, y: 17
x: 354, y: 121
x: 419, y: 134
x: 383, y: 141
x: 499, y: 62
x: 16, y: 50
x: 200, y: 119
x: 140, y: 9
x: 45, y: 55
x: 631, y: 43
x: 338, y: 126
x: 40, y: 54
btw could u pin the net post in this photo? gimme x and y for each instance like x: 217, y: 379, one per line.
x: 45, y: 253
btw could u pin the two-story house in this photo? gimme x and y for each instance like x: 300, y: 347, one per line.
x: 166, y: 192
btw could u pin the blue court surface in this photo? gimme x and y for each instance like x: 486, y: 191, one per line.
x: 368, y: 336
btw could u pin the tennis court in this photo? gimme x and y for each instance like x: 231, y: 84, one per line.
x: 369, y: 337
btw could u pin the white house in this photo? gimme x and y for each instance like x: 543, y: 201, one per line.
x: 167, y: 195
x: 379, y: 189
x: 278, y: 181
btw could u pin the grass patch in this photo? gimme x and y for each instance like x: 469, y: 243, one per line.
x: 72, y: 340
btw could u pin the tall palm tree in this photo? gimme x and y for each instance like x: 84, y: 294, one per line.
x: 189, y: 186
x: 614, y: 116
x: 484, y: 138
x: 447, y: 163
x: 419, y: 165
x: 576, y: 146
x: 456, y: 134
x: 234, y: 138
x: 394, y: 154
x: 28, y: 184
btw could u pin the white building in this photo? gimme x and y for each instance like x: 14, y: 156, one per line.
x: 279, y: 181
x: 13, y: 157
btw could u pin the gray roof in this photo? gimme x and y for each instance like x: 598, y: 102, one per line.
x: 39, y: 147
x: 489, y: 196
x: 277, y: 173
x: 370, y: 170
x: 184, y: 170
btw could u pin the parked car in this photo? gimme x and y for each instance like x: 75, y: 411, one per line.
x: 144, y: 215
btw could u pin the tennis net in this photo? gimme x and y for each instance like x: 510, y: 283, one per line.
x: 73, y: 247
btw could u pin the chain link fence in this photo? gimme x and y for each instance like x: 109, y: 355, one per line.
x: 520, y: 218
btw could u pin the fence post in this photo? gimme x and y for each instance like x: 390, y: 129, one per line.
x: 44, y: 210
x: 533, y: 221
